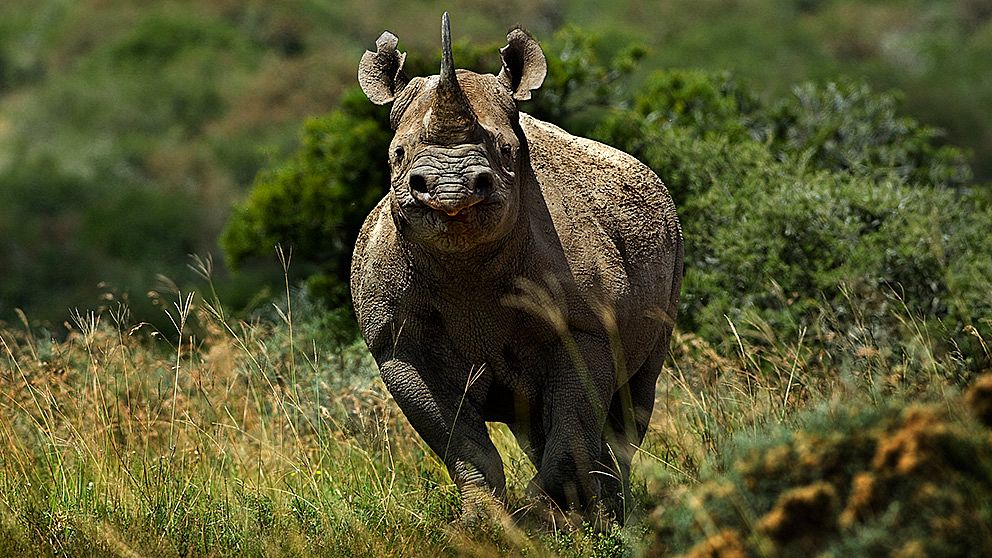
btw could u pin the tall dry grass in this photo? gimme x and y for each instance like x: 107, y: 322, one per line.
x: 226, y: 437
x: 231, y: 437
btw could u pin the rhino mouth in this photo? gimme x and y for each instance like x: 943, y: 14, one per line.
x: 469, y: 226
x: 450, y: 206
x: 463, y: 216
x: 475, y: 214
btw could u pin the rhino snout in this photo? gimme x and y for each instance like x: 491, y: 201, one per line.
x: 451, y: 194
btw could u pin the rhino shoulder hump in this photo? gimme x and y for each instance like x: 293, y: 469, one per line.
x: 600, y: 181
x: 592, y: 154
x: 379, y: 274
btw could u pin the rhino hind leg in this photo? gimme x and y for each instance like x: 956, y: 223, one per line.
x: 574, y: 406
x: 626, y: 425
x: 564, y: 477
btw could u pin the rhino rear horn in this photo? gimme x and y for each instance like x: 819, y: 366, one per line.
x: 524, y: 65
x: 380, y: 73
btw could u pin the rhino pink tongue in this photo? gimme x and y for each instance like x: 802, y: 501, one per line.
x: 451, y: 118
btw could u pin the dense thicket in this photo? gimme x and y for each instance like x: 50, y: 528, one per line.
x: 823, y: 212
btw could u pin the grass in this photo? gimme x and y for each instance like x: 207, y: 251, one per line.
x: 233, y: 438
x: 219, y: 438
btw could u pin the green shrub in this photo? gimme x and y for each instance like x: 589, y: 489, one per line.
x: 317, y: 201
x: 854, y: 480
x: 845, y: 127
x: 580, y: 87
x: 159, y: 40
x: 65, y: 238
x: 818, y: 204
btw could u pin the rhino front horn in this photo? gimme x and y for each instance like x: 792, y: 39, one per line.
x: 451, y: 118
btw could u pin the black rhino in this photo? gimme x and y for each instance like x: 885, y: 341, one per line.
x: 514, y: 273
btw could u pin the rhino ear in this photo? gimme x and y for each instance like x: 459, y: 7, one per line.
x: 380, y: 73
x: 524, y: 66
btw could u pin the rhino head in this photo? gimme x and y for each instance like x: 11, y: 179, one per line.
x: 457, y: 156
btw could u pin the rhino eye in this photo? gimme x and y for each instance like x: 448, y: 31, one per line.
x: 505, y: 150
x: 398, y: 154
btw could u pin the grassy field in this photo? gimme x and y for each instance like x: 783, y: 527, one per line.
x: 230, y: 438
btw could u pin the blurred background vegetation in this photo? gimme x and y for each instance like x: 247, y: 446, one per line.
x: 808, y: 145
x: 820, y: 151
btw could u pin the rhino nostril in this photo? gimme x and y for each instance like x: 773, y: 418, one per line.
x: 483, y: 184
x: 418, y: 184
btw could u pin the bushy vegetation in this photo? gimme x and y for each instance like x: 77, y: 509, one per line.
x: 316, y: 202
x: 853, y: 480
x: 794, y: 209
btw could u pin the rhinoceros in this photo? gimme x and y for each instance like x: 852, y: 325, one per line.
x: 514, y: 273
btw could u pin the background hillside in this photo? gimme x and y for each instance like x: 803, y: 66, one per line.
x: 128, y: 129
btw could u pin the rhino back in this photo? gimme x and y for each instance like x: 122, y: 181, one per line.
x: 614, y: 219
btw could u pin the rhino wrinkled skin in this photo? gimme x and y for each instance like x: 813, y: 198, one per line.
x: 514, y: 273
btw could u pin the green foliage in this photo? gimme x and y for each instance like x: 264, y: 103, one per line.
x: 579, y: 86
x: 851, y: 481
x: 50, y: 220
x: 317, y: 201
x: 161, y: 39
x: 825, y: 196
x: 849, y: 129
x: 103, y: 179
x: 703, y: 104
x: 934, y: 51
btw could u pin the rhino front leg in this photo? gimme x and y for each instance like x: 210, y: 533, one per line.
x: 577, y: 399
x: 453, y: 428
